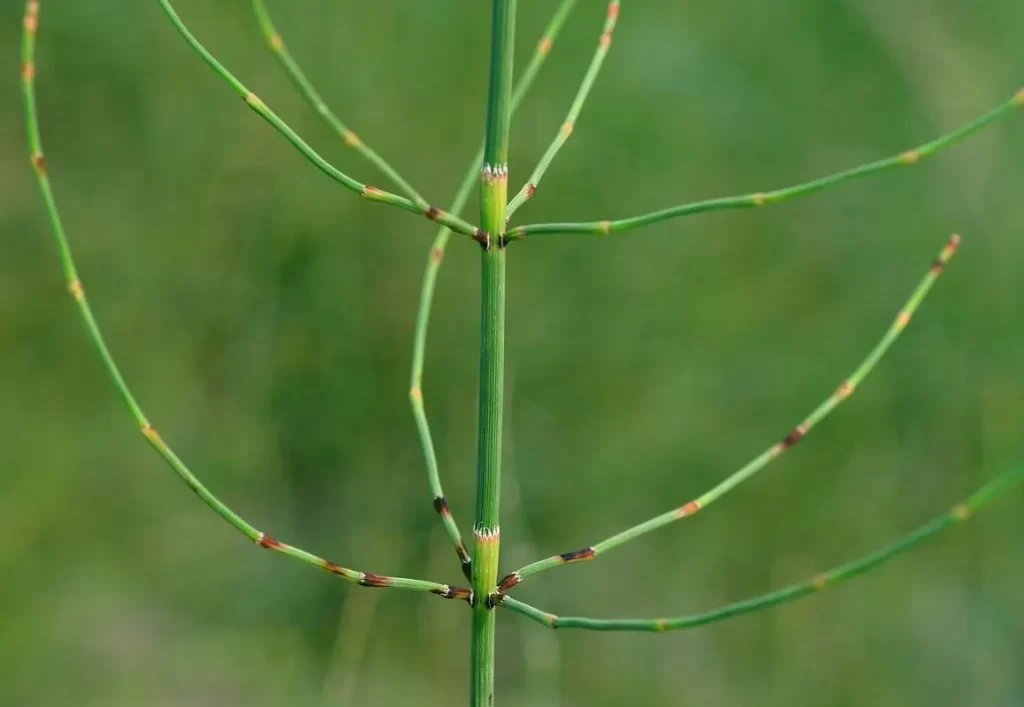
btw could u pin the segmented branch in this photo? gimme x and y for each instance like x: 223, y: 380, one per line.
x: 434, y: 260
x: 604, y: 43
x: 905, y: 158
x: 316, y: 101
x: 263, y: 110
x: 818, y: 583
x: 77, y: 291
x: 773, y: 452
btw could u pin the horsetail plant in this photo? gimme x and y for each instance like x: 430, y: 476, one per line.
x: 489, y: 169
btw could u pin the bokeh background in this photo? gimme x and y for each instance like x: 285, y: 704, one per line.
x: 264, y: 317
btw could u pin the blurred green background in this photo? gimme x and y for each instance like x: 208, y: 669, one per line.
x: 264, y: 317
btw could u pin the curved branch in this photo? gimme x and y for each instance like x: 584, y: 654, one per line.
x: 566, y: 129
x: 816, y: 584
x: 841, y: 393
x: 77, y: 291
x: 263, y: 110
x: 434, y: 260
x: 747, y: 201
x: 312, y: 96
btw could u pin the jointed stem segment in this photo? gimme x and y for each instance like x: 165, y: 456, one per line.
x: 263, y: 110
x: 574, y: 111
x: 75, y: 287
x: 312, y: 96
x: 815, y: 584
x: 434, y: 261
x: 907, y: 157
x: 773, y: 452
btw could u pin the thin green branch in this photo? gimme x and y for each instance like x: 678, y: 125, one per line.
x: 816, y: 584
x: 907, y: 157
x: 434, y: 261
x: 263, y: 110
x: 762, y: 460
x: 77, y: 291
x: 565, y: 131
x: 316, y: 101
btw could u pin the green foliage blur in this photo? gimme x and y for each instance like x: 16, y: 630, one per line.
x: 264, y: 317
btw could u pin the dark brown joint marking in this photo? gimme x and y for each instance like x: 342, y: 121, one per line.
x: 433, y: 213
x: 333, y: 567
x: 530, y: 189
x: 450, y: 592
x: 269, y: 543
x: 577, y: 555
x: 441, y: 506
x: 39, y: 162
x: 437, y: 255
x: 508, y: 581
x: 937, y: 265
x: 793, y: 437
x: 483, y: 238
x: 467, y: 565
x: 374, y: 580
x: 371, y: 192
x: 493, y: 600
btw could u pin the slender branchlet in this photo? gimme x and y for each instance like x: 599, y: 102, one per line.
x: 818, y: 583
x: 313, y: 97
x: 149, y: 432
x: 490, y: 166
x: 263, y: 110
x: 761, y: 198
x: 794, y: 436
x: 434, y: 261
x: 569, y: 123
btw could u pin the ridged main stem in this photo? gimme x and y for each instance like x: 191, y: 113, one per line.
x: 493, y: 204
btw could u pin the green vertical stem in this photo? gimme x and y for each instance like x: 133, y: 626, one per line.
x: 493, y: 204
